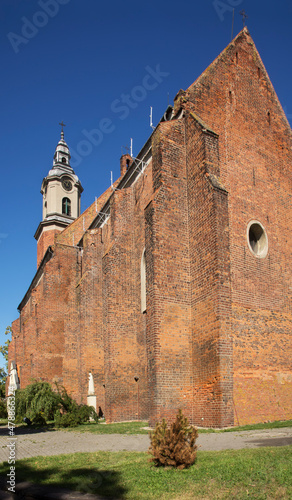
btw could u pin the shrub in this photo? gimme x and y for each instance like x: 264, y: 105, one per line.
x: 174, y: 446
x: 65, y: 420
x: 39, y: 402
x: 35, y: 398
x: 3, y: 409
x: 39, y: 420
x: 78, y: 414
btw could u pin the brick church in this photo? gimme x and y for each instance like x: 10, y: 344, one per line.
x: 173, y: 289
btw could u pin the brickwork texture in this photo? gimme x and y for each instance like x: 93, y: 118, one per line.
x: 215, y: 337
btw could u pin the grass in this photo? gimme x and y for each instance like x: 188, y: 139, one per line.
x: 138, y: 427
x: 119, y: 428
x: 278, y: 424
x: 233, y: 474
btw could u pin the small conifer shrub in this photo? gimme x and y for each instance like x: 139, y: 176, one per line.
x: 174, y: 446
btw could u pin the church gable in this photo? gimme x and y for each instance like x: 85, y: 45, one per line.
x: 238, y: 78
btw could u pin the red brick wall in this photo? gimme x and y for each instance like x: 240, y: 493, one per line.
x: 38, y: 337
x: 46, y: 240
x: 169, y: 340
x: 234, y: 97
x: 210, y: 279
x: 215, y: 334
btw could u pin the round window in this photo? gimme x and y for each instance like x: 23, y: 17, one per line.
x: 257, y: 239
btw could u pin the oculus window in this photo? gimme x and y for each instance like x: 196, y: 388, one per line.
x: 257, y: 239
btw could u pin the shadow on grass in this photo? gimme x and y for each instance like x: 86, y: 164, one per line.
x: 26, y: 429
x: 94, y: 480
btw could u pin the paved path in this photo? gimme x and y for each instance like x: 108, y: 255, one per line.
x: 32, y: 442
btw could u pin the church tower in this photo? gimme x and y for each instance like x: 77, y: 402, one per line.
x: 61, y: 191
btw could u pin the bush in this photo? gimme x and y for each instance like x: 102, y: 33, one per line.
x: 39, y: 420
x: 3, y: 409
x: 39, y: 402
x: 174, y: 446
x: 65, y: 420
x: 36, y: 398
x: 78, y: 414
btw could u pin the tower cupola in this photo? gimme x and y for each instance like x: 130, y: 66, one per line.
x: 61, y: 191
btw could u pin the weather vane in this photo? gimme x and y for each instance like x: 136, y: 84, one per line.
x: 244, y: 16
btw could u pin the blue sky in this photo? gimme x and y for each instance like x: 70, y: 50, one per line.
x: 77, y: 61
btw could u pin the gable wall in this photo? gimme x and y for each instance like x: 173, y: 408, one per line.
x: 234, y: 97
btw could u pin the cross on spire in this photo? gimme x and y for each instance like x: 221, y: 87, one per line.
x: 244, y: 16
x: 62, y: 131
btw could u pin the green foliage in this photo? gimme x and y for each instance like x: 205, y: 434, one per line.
x: 36, y: 398
x: 174, y: 446
x: 39, y: 420
x: 4, y: 347
x: 39, y: 402
x: 3, y: 372
x: 78, y: 414
x: 3, y: 409
x: 65, y: 419
x: 3, y: 377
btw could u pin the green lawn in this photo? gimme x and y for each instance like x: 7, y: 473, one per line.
x: 263, y: 473
x: 119, y: 428
x: 138, y: 427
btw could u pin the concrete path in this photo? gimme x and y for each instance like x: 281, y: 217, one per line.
x: 32, y: 442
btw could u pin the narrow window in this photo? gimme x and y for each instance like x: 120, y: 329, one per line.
x: 66, y: 206
x: 269, y: 118
x: 63, y: 159
x: 143, y: 282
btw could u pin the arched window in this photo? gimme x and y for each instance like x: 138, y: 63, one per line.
x: 63, y: 159
x: 66, y: 206
x: 143, y: 282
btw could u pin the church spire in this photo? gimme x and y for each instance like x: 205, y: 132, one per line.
x: 62, y: 131
x: 62, y: 154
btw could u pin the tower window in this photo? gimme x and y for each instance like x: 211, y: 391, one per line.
x: 66, y: 206
x: 63, y: 159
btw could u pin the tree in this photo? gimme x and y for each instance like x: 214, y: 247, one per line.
x: 3, y: 371
x: 5, y: 346
x: 3, y: 376
x: 39, y: 402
